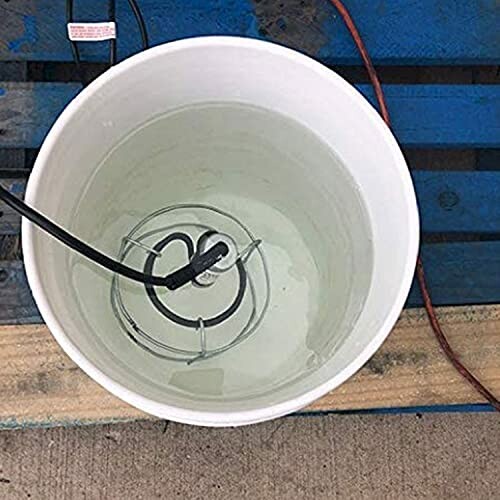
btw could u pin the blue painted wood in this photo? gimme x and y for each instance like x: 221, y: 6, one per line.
x: 16, y: 302
x: 458, y: 201
x: 28, y: 110
x: 423, y: 115
x: 457, y: 408
x: 395, y: 31
x: 10, y: 221
x: 458, y: 273
x: 444, y: 115
x: 448, y: 201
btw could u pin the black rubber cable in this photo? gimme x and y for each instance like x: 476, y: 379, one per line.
x: 112, y: 42
x: 140, y: 23
x: 197, y: 266
x: 74, y: 47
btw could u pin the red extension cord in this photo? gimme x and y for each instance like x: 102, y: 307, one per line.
x: 431, y: 312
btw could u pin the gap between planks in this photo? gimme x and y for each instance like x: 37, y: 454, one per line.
x: 41, y: 386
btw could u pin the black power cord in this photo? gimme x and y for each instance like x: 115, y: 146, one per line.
x: 112, y: 42
x: 197, y: 265
x: 141, y: 24
x: 74, y: 47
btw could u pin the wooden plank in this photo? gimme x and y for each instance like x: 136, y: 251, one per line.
x: 395, y: 31
x: 458, y: 201
x: 41, y: 386
x: 10, y: 221
x: 13, y: 71
x: 458, y: 273
x: 12, y: 160
x: 16, y: 299
x: 28, y: 110
x: 410, y: 369
x: 443, y: 115
x: 448, y: 202
x: 423, y: 115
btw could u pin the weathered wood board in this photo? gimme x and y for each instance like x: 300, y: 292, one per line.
x: 432, y: 116
x: 396, y: 31
x: 41, y: 386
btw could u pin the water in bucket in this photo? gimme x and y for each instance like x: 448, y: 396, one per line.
x: 268, y: 172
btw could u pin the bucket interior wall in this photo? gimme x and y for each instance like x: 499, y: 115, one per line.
x: 222, y: 128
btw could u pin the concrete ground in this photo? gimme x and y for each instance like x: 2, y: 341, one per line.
x: 316, y: 457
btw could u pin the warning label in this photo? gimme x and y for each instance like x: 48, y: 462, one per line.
x: 91, y: 32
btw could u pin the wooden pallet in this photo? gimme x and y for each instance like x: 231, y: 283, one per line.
x: 450, y: 132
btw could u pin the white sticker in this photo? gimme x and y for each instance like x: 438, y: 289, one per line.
x: 91, y: 32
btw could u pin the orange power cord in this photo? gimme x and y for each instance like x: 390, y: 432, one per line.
x: 431, y: 312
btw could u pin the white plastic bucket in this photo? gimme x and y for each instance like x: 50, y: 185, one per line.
x: 300, y: 200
